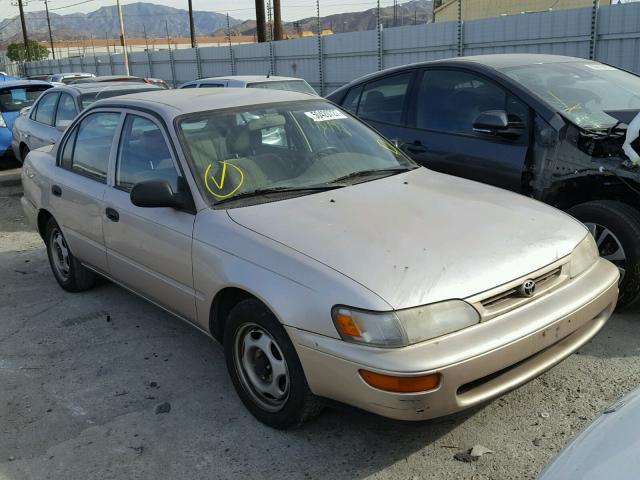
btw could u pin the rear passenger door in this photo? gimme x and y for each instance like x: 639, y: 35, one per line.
x: 148, y: 249
x: 383, y: 103
x: 42, y: 131
x: 78, y: 188
x: 441, y: 136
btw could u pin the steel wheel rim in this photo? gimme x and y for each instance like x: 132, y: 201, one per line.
x: 261, y: 367
x: 60, y: 254
x: 609, y: 246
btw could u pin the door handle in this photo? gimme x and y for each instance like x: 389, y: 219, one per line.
x: 415, y: 147
x: 112, y: 214
x: 56, y: 190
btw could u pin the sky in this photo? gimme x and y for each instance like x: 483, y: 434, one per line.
x: 242, y: 9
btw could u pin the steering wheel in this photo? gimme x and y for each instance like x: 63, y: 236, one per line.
x: 323, y: 152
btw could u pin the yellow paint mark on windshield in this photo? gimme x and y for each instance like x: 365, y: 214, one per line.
x: 389, y: 146
x: 217, y: 189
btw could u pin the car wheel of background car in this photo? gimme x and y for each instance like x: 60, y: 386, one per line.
x: 616, y: 229
x: 265, y: 368
x: 69, y: 272
x: 24, y: 151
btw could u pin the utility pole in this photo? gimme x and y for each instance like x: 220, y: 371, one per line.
x: 260, y: 27
x: 166, y: 26
x: 46, y: 7
x: 25, y: 37
x: 277, y: 21
x: 269, y: 24
x: 123, y: 40
x: 93, y: 49
x: 191, y: 26
x: 106, y: 39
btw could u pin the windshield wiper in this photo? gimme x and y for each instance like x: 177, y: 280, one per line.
x: 370, y: 173
x: 266, y: 191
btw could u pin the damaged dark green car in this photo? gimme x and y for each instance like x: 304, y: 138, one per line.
x: 558, y: 129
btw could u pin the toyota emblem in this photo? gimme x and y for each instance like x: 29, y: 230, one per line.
x: 528, y: 288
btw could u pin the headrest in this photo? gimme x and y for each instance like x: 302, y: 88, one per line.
x: 267, y: 121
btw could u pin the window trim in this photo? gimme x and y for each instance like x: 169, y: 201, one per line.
x: 55, y: 109
x: 405, y: 106
x: 412, y: 114
x: 76, y: 125
x: 134, y: 113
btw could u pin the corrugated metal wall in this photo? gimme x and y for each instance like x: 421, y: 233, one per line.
x: 614, y: 40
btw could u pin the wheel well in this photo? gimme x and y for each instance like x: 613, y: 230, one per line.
x: 43, y: 218
x: 22, y: 147
x: 222, y: 304
x: 569, y: 193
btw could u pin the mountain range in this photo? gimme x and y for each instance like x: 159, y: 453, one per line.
x: 415, y: 11
x: 104, y: 22
x: 149, y: 18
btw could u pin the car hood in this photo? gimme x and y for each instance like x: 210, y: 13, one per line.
x: 421, y: 236
x: 608, y: 448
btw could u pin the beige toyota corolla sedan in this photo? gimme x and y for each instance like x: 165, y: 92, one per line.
x: 326, y: 262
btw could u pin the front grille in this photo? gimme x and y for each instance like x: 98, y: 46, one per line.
x: 506, y: 298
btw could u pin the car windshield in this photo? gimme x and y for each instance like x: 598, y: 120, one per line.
x: 283, y: 147
x: 581, y: 91
x: 17, y: 98
x: 87, y: 99
x: 299, y: 86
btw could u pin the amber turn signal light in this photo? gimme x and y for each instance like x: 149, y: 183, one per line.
x: 346, y: 325
x: 392, y: 383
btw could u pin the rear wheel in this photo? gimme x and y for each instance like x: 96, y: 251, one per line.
x: 616, y: 229
x: 69, y: 272
x: 265, y: 368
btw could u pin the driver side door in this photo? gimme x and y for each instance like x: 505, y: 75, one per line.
x: 148, y: 249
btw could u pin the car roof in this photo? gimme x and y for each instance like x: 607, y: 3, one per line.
x: 171, y: 103
x: 496, y: 61
x: 250, y: 78
x: 22, y: 83
x: 93, y: 87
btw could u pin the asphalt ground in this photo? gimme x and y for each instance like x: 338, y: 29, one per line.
x: 84, y: 379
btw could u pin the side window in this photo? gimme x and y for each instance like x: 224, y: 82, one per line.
x: 451, y: 100
x: 66, y: 109
x: 211, y: 85
x: 383, y: 100
x: 93, y: 142
x: 351, y: 99
x: 144, y: 155
x: 193, y: 85
x: 46, y: 108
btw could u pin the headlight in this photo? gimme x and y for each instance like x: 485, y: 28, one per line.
x: 583, y: 256
x: 403, y: 327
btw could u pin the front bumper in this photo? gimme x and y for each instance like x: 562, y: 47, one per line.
x: 476, y: 364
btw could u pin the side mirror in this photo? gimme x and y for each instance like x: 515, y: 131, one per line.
x: 25, y: 111
x: 62, y: 125
x: 154, y: 194
x: 491, y: 121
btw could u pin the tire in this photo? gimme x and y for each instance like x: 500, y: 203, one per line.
x: 69, y: 272
x: 616, y: 228
x: 24, y: 151
x: 250, y: 330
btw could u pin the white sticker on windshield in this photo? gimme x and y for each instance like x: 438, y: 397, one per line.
x: 324, y: 115
x: 598, y: 66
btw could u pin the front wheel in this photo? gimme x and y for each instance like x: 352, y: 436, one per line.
x: 616, y: 229
x: 69, y: 272
x: 265, y: 368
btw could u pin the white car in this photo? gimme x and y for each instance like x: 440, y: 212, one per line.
x: 253, y: 81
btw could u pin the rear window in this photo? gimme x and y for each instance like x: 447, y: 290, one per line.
x: 291, y: 85
x: 17, y: 98
x: 88, y: 98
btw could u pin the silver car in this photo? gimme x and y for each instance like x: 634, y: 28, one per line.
x: 269, y: 82
x: 43, y: 123
x: 329, y: 265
